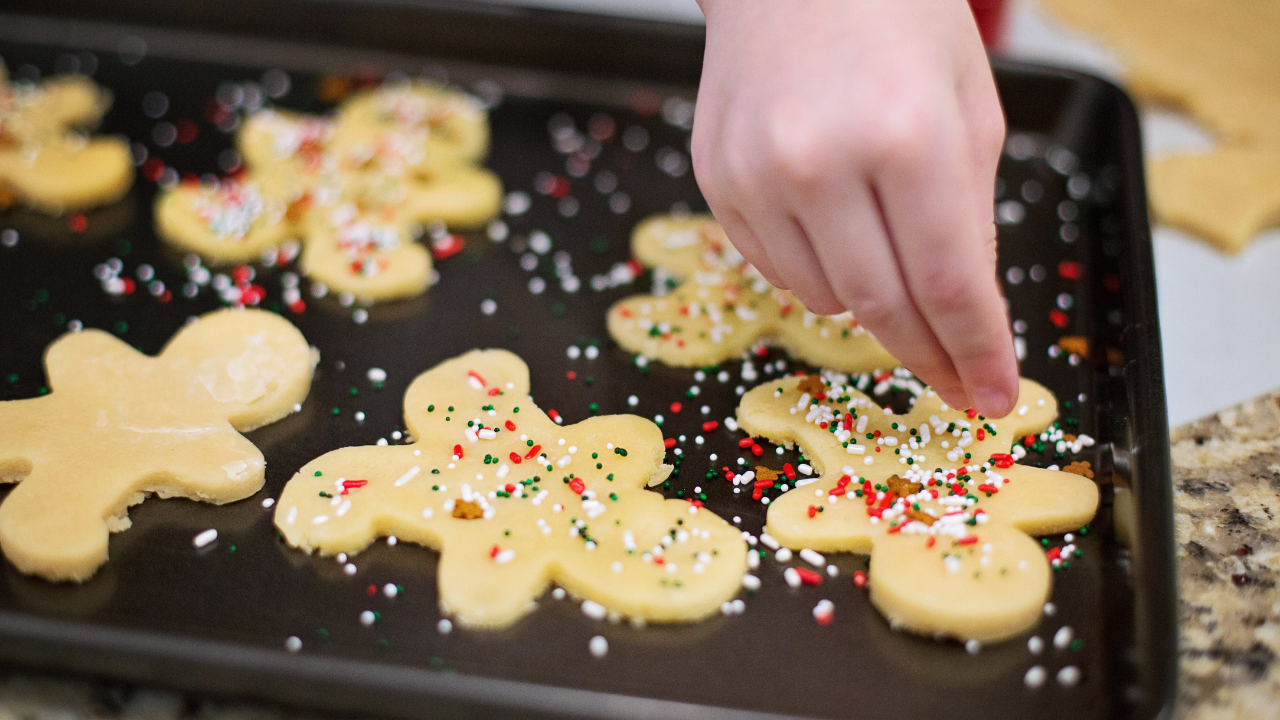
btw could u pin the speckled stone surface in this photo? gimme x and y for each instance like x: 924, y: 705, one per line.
x: 1226, y: 477
x: 1226, y: 481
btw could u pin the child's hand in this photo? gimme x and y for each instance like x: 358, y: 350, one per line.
x: 849, y: 149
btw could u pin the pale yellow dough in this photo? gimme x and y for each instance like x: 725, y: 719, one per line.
x: 986, y: 588
x: 119, y: 425
x: 611, y: 541
x: 44, y: 163
x: 1217, y: 61
x: 723, y: 306
x: 357, y: 189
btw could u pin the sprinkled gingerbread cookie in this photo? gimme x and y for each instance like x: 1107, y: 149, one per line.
x: 44, y: 162
x: 357, y: 189
x: 722, y: 305
x: 513, y: 502
x: 119, y: 425
x: 934, y: 496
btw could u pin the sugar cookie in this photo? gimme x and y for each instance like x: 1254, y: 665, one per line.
x: 514, y: 502
x: 1217, y: 61
x: 44, y: 162
x: 119, y: 425
x: 723, y: 305
x: 934, y: 496
x: 356, y: 189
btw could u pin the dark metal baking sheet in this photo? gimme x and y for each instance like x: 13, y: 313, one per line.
x: 215, y: 621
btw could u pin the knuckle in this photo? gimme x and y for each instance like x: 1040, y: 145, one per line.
x: 799, y: 150
x: 945, y: 291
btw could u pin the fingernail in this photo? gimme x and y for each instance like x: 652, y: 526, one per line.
x: 992, y: 402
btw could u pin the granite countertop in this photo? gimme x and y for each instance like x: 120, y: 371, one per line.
x: 1226, y: 478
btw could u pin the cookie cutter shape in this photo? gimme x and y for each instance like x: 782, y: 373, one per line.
x: 514, y: 502
x: 119, y: 425
x: 721, y: 306
x: 357, y: 189
x: 45, y: 162
x: 941, y: 507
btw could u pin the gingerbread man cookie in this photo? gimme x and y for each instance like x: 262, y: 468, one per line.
x: 934, y: 496
x: 723, y: 305
x: 119, y: 425
x: 514, y: 502
x: 44, y: 162
x: 357, y: 189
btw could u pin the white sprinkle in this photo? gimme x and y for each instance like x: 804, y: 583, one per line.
x: 751, y: 582
x: 488, y: 306
x: 1035, y: 677
x: 293, y: 644
x: 783, y: 555
x: 558, y: 593
x: 205, y: 538
x: 593, y: 609
x: 832, y: 571
x: 320, y: 519
x: 377, y: 375
x: 1035, y: 645
x: 973, y: 647
x: 367, y: 617
x: 1063, y: 637
x: 770, y: 541
x: 391, y: 541
x: 813, y: 558
x: 1069, y: 676
x: 268, y: 502
x: 633, y: 401
x: 792, y: 577
x: 505, y: 556
x: 598, y: 646
x: 445, y: 626
x: 823, y: 611
x: 409, y: 475
x: 349, y: 568
x: 1050, y: 609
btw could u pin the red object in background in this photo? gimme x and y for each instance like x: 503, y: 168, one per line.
x: 990, y: 17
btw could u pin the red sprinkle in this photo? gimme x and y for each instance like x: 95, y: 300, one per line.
x: 710, y: 425
x: 352, y: 485
x: 1002, y: 460
x: 757, y: 450
x: 577, y: 486
x: 809, y: 577
x: 77, y: 222
x: 971, y: 413
x: 968, y: 540
x: 746, y: 442
x: 813, y: 511
x: 669, y: 443
x: 457, y: 451
x: 371, y: 590
x: 1059, y: 318
x: 982, y: 434
x: 509, y: 425
x: 447, y: 246
x: 1070, y: 270
x: 571, y: 375
x: 533, y: 452
x: 509, y: 487
x: 515, y: 458
x: 555, y: 416
x: 860, y: 578
x: 789, y: 471
x: 676, y: 407
x: 493, y: 552
x: 930, y: 542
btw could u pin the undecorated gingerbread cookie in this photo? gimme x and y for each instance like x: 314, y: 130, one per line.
x: 514, y: 502
x: 722, y: 305
x: 119, y: 425
x: 357, y: 189
x: 1217, y: 61
x: 45, y: 162
x: 934, y: 496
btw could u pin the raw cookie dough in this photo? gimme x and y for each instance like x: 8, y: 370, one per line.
x: 357, y: 189
x: 1217, y: 61
x: 513, y: 502
x: 44, y: 163
x: 960, y: 564
x: 119, y: 425
x: 722, y: 306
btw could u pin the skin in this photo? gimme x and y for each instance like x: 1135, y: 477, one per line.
x: 849, y: 149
